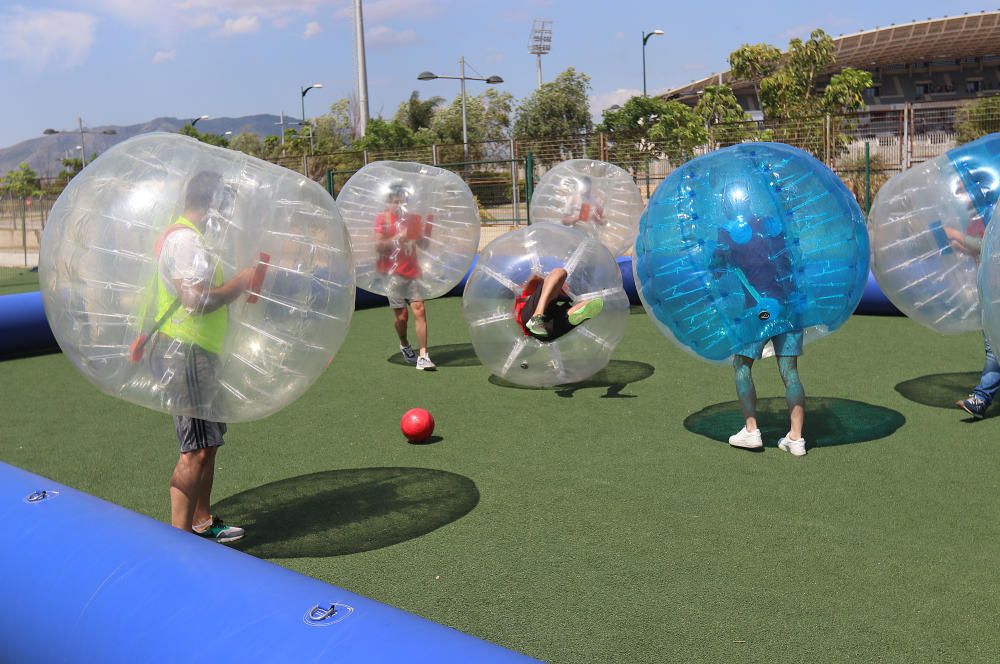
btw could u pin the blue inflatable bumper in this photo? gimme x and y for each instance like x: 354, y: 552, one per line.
x: 87, y: 581
x: 25, y: 331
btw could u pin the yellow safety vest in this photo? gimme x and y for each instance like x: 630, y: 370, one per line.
x: 207, y: 330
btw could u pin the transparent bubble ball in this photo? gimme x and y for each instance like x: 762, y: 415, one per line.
x: 137, y: 299
x: 596, y: 197
x: 499, y: 277
x: 920, y: 270
x: 414, y: 228
x: 746, y: 243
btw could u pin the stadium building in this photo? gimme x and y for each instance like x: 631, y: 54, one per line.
x: 943, y: 61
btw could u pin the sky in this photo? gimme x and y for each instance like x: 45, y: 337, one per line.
x: 123, y: 62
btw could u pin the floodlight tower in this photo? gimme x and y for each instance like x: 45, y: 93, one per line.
x: 540, y: 42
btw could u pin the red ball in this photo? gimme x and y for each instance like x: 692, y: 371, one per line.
x: 417, y: 425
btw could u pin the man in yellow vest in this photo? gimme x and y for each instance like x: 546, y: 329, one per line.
x: 192, y: 318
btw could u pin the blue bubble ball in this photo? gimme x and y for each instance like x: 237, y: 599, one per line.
x: 748, y: 242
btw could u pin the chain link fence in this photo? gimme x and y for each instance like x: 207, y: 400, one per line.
x: 865, y: 149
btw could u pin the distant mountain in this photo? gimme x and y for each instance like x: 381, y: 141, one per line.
x: 45, y: 153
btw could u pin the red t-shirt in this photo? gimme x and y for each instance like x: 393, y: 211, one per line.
x: 401, y: 259
x: 519, y: 303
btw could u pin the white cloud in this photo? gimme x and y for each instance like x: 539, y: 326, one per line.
x: 381, y: 10
x: 382, y: 36
x: 42, y: 37
x: 312, y: 29
x: 164, y: 56
x: 240, y: 26
x: 601, y: 101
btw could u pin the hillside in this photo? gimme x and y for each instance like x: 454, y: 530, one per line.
x: 45, y: 153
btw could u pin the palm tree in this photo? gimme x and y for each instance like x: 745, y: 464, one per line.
x: 416, y: 112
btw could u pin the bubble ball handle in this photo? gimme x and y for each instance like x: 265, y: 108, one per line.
x: 258, y: 277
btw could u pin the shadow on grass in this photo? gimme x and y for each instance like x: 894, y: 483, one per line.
x: 450, y: 355
x: 943, y: 390
x: 829, y: 421
x: 337, y: 512
x: 614, y: 378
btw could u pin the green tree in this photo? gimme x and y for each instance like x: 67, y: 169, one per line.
x: 651, y: 125
x: 978, y: 119
x: 753, y: 62
x: 724, y: 118
x: 488, y: 119
x: 211, y: 139
x: 22, y: 182
x: 337, y: 128
x: 556, y: 109
x: 843, y: 92
x: 416, y: 113
x: 248, y: 143
x: 388, y: 135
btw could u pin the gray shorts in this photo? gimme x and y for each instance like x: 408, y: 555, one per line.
x: 188, y: 375
x: 787, y: 344
x: 194, y: 434
x: 401, y: 292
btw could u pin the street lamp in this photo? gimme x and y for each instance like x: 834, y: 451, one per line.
x: 303, y: 98
x: 645, y: 38
x: 83, y: 145
x: 492, y: 80
x: 195, y: 121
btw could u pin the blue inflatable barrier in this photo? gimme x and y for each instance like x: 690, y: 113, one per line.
x: 24, y: 329
x: 87, y: 581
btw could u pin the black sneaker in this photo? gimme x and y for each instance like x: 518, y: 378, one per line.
x: 974, y: 405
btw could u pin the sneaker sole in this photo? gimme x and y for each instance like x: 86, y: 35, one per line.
x: 785, y: 448
x: 747, y: 446
x: 586, y: 312
x: 961, y: 405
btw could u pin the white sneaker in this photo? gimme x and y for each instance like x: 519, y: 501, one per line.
x: 408, y: 354
x: 424, y: 363
x: 793, y: 447
x: 748, y: 440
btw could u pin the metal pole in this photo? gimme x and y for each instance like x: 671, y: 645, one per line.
x: 513, y: 183
x: 868, y: 179
x: 644, y: 64
x: 539, y: 57
x: 83, y: 146
x: 465, y: 128
x: 359, y: 47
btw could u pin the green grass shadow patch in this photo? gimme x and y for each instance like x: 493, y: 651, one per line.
x: 614, y: 378
x: 338, y: 512
x: 829, y: 421
x: 446, y: 356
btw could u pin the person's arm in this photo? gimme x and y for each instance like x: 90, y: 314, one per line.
x: 962, y: 243
x: 201, y: 300
x: 384, y: 242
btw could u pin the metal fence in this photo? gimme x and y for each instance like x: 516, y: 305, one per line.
x: 864, y: 148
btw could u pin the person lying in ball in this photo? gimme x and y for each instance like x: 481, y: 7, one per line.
x: 545, y: 311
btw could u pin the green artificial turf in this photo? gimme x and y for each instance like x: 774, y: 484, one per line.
x: 18, y: 280
x: 604, y: 523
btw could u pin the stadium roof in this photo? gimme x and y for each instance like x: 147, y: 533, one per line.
x: 948, y: 38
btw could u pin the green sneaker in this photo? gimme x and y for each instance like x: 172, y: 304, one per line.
x: 590, y: 309
x: 220, y: 532
x: 537, y: 326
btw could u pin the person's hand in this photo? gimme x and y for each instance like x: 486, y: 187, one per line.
x: 245, y: 277
x: 956, y: 239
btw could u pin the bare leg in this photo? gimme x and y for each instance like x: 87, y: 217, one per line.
x: 185, y: 486
x: 551, y: 288
x: 795, y: 395
x: 402, y: 320
x: 745, y: 390
x: 420, y: 313
x: 203, y: 508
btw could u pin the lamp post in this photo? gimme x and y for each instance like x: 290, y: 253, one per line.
x: 303, y: 99
x: 83, y: 145
x: 195, y: 121
x: 645, y: 38
x: 492, y: 80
